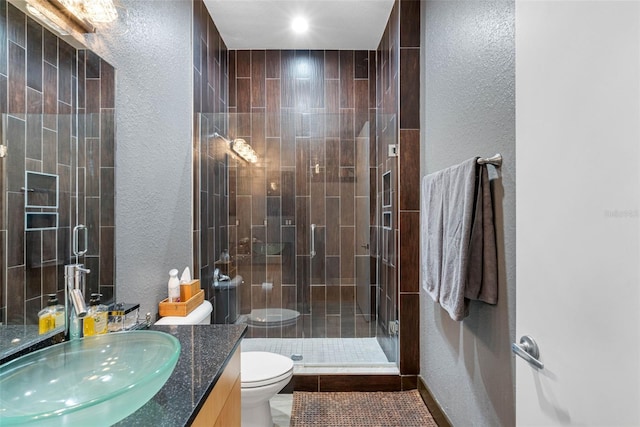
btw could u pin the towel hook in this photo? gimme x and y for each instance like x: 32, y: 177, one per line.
x: 495, y: 160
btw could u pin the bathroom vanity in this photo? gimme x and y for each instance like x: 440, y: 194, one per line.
x: 204, y: 388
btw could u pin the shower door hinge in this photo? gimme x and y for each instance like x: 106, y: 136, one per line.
x: 394, y: 327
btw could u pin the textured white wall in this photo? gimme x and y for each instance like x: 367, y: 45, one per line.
x: 468, y: 109
x: 151, y: 51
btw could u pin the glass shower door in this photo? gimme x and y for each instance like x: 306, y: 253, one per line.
x: 337, y: 296
x: 301, y: 221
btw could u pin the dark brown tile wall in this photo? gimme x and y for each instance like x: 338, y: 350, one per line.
x: 212, y: 201
x: 60, y: 120
x: 399, y: 84
x: 409, y: 187
x: 271, y: 93
x: 303, y: 112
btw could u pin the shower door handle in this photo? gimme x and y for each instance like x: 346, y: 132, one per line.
x: 76, y: 245
x: 313, y: 240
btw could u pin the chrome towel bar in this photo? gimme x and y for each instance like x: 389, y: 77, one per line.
x: 495, y: 160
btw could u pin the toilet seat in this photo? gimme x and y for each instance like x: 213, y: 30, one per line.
x: 272, y: 317
x: 260, y: 368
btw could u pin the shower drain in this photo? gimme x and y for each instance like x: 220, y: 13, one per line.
x: 296, y: 356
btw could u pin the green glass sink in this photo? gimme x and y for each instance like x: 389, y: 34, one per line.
x: 92, y: 381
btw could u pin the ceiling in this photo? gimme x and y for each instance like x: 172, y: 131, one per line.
x: 333, y: 24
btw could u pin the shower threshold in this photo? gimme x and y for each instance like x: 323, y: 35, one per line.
x: 328, y: 355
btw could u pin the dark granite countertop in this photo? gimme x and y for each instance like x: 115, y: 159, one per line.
x: 205, y: 351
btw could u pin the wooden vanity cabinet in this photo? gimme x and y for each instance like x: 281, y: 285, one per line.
x: 223, y: 406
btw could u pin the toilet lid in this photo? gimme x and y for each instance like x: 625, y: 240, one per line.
x: 272, y: 317
x: 258, y: 368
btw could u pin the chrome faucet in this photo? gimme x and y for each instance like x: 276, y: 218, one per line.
x: 74, y: 275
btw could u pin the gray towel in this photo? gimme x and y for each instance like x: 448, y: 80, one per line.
x: 458, y: 246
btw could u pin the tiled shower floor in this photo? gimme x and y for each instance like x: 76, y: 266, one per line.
x: 327, y: 355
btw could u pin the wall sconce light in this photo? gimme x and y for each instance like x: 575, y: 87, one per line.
x: 244, y: 150
x: 93, y: 11
x: 68, y: 16
x: 241, y: 147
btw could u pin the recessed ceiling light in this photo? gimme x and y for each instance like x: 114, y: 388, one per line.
x: 299, y: 24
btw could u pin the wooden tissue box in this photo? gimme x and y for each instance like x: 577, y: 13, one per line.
x: 189, y: 289
x: 166, y: 308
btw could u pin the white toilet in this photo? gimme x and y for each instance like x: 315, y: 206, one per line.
x: 262, y: 374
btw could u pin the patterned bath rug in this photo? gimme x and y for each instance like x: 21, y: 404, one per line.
x: 360, y: 409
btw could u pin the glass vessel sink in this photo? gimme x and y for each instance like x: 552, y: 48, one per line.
x: 94, y: 381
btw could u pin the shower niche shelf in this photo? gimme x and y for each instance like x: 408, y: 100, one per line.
x: 40, y: 201
x: 41, y: 190
x: 40, y: 221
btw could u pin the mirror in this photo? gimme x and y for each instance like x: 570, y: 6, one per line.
x: 59, y: 133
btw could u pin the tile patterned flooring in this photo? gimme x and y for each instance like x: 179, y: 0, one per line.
x: 321, y: 355
x: 327, y: 355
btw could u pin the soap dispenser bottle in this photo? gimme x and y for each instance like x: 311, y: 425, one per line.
x: 52, y: 316
x: 57, y: 310
x: 46, y: 319
x: 101, y: 319
x: 174, y: 286
x: 88, y: 322
x: 95, y: 322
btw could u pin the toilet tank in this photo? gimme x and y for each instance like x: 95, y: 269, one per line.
x: 201, y: 315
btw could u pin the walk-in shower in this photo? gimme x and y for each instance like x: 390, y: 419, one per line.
x: 304, y: 233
